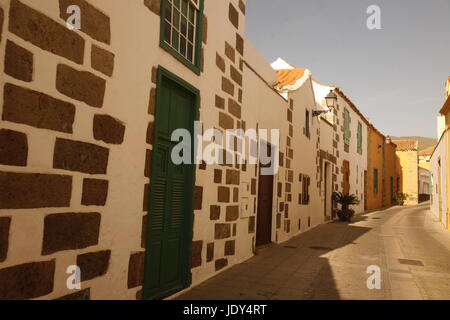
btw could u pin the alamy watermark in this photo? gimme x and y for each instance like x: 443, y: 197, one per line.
x: 374, y: 19
x: 74, y: 280
x: 374, y: 280
x: 234, y: 146
x: 373, y: 22
x: 74, y: 20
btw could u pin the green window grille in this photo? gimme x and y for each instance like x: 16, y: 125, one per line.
x: 181, y: 30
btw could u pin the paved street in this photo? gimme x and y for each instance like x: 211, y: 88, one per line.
x: 330, y: 262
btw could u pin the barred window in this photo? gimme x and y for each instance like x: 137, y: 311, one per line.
x: 181, y: 23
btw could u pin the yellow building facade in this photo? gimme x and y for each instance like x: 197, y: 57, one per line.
x: 375, y: 169
x: 392, y: 173
x: 382, y: 171
x: 407, y: 152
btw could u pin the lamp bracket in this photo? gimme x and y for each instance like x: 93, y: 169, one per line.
x: 317, y: 113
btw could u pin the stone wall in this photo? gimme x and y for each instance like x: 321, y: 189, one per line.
x: 76, y: 146
x: 59, y: 140
x: 357, y: 161
x: 76, y: 136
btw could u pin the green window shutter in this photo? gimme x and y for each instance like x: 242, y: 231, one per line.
x: 360, y: 138
x: 171, y: 194
x: 347, y: 127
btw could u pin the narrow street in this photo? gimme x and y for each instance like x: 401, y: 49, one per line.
x: 176, y: 149
x: 331, y: 261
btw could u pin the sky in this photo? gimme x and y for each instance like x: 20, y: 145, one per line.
x: 396, y: 76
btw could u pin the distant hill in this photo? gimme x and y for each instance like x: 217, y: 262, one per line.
x: 423, y: 142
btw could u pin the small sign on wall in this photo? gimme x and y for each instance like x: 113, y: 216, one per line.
x: 244, y: 189
x: 245, y: 205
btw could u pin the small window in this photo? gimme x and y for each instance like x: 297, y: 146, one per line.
x: 375, y: 181
x: 181, y: 23
x: 307, y: 129
x: 306, y: 182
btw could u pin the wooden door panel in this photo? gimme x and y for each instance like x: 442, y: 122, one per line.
x: 265, y: 203
x: 171, y: 193
x: 153, y: 266
x: 346, y: 176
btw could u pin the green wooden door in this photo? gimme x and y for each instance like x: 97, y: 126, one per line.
x: 167, y: 265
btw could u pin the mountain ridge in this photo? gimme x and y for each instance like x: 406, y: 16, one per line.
x: 424, y: 142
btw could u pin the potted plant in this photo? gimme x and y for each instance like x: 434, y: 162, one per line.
x: 401, y: 198
x: 345, y: 200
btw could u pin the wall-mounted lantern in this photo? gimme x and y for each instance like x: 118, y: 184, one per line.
x: 331, y: 100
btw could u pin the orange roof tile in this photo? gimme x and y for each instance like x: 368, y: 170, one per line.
x: 288, y: 77
x: 406, y: 145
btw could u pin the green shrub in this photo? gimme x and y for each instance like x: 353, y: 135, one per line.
x: 345, y: 200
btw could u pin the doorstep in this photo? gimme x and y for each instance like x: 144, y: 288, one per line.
x: 263, y: 247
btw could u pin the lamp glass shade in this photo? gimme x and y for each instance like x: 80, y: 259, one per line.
x: 331, y: 99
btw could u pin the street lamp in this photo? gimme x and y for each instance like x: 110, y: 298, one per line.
x: 388, y: 140
x: 331, y: 100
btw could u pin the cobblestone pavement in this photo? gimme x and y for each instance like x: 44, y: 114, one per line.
x: 331, y: 261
